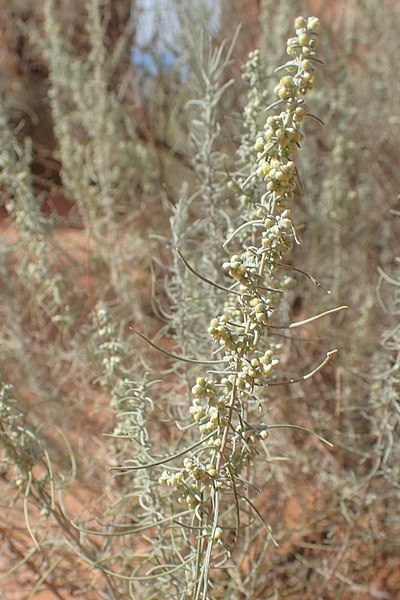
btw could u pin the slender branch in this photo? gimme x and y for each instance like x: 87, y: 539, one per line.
x: 162, y: 461
x: 176, y: 356
x: 203, y: 278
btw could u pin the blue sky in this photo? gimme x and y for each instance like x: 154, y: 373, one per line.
x: 157, y: 19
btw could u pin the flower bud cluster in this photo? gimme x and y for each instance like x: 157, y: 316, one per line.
x: 207, y: 409
x: 191, y: 482
x: 278, y: 236
x: 259, y: 310
x: 256, y: 101
x: 282, y: 132
x: 245, y: 444
x: 222, y: 332
x: 305, y: 42
x: 259, y: 367
x: 243, y: 273
x: 280, y: 175
x: 187, y: 492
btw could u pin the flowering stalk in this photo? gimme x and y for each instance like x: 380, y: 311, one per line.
x: 220, y: 405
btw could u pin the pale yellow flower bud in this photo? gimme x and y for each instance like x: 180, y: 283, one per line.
x: 300, y: 23
x: 313, y: 23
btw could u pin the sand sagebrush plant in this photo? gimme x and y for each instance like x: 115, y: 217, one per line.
x: 18, y: 443
x: 103, y: 161
x: 99, y: 150
x: 118, y: 532
x: 213, y: 482
x: 34, y: 229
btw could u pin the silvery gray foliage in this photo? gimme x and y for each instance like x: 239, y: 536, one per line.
x: 34, y: 229
x: 98, y: 148
x: 199, y: 219
x: 20, y: 452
